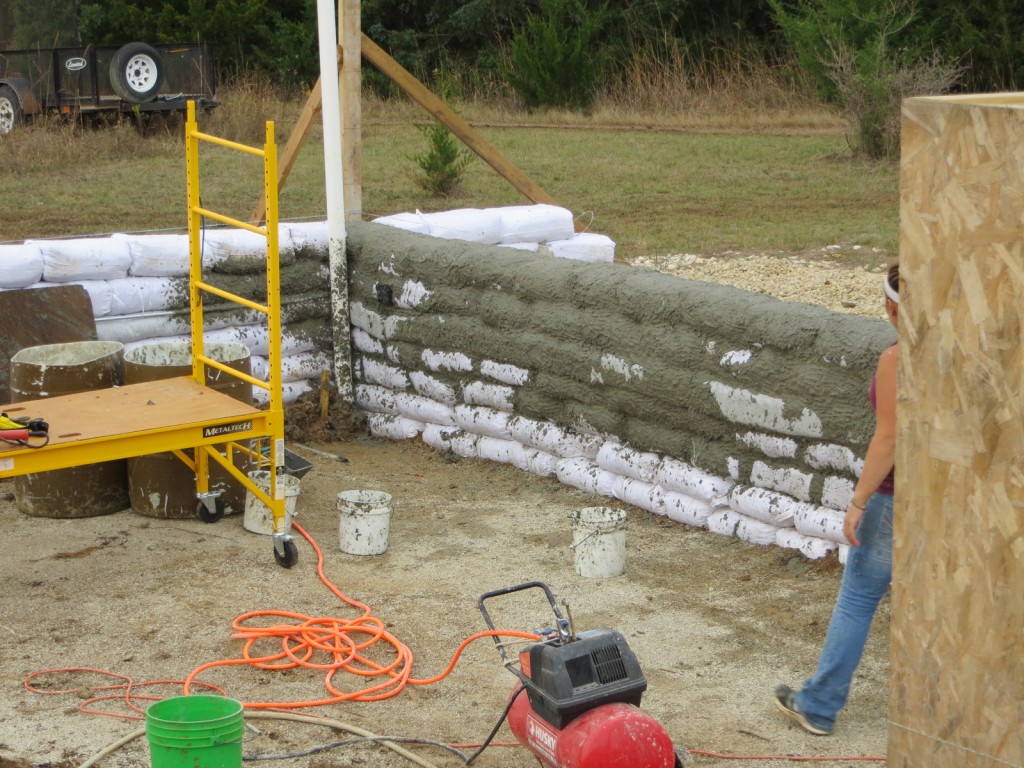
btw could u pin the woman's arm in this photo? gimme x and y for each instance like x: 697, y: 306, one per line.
x: 881, y: 454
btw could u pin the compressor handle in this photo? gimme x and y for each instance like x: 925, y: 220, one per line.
x: 563, y: 631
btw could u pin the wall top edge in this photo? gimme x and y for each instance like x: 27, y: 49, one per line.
x: 1014, y: 100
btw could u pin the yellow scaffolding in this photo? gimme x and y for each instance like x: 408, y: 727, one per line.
x: 182, y: 413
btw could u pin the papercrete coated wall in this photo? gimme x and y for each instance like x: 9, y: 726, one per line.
x: 713, y: 405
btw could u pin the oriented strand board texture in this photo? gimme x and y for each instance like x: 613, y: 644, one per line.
x: 957, y: 690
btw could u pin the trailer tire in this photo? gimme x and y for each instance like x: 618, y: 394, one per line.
x: 136, y: 72
x: 11, y: 115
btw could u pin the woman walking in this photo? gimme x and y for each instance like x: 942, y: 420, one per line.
x: 868, y: 527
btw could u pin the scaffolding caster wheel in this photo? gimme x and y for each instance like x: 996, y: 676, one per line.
x: 210, y: 508
x: 285, y: 551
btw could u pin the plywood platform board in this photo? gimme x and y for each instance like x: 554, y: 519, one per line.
x: 957, y: 689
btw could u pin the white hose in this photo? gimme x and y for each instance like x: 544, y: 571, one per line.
x: 330, y: 723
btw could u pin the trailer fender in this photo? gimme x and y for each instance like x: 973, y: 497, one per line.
x: 26, y: 96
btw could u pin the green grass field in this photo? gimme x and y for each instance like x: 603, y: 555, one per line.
x: 653, y: 187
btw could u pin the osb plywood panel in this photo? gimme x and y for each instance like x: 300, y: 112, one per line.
x: 957, y: 688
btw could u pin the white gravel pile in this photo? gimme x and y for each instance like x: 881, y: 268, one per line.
x: 829, y: 282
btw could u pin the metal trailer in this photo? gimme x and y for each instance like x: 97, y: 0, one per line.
x: 182, y: 413
x: 88, y: 80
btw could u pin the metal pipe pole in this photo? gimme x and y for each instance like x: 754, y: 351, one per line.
x: 333, y: 177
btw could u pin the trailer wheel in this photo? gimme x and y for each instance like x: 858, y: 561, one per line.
x: 11, y: 115
x: 136, y: 72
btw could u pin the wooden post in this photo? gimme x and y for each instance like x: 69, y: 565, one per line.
x: 349, y: 34
x: 957, y: 653
x: 422, y: 96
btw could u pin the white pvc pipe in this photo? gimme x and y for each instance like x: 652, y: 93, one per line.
x: 334, y: 179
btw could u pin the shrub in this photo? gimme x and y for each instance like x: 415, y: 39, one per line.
x: 554, y: 61
x: 443, y: 163
x: 856, y: 51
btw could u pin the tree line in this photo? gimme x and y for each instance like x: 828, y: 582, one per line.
x: 861, y: 54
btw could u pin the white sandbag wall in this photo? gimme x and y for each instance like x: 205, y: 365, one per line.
x: 138, y: 287
x: 715, y: 407
x: 547, y: 229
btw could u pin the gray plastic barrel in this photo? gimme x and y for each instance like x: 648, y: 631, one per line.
x: 52, y: 370
x: 160, y: 484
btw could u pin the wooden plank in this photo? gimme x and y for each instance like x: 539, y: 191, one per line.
x: 349, y: 33
x: 422, y: 96
x: 957, y: 651
x: 133, y: 420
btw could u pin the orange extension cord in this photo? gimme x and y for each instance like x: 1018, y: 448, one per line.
x: 305, y: 639
x: 319, y: 643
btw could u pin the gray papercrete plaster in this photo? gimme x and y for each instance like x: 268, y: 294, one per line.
x: 722, y: 378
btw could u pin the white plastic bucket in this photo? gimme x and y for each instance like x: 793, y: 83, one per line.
x: 364, y: 519
x: 599, y: 541
x: 258, y: 517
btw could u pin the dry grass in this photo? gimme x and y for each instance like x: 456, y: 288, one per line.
x: 673, y: 160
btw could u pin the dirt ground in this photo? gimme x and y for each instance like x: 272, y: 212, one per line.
x: 714, y: 622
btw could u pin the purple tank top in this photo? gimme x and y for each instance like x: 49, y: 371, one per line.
x: 889, y: 483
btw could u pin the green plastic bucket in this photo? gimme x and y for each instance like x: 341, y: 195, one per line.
x: 195, y: 732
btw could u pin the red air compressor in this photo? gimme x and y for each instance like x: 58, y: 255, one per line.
x: 578, y: 704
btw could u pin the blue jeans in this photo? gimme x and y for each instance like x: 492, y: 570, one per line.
x: 865, y: 581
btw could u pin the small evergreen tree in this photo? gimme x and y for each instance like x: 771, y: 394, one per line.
x: 443, y: 162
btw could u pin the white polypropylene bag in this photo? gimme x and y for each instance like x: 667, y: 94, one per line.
x: 583, y: 474
x: 730, y: 523
x: 290, y: 392
x: 640, y: 494
x: 364, y: 342
x: 686, y: 509
x: 764, y: 505
x: 452, y: 439
x: 537, y: 462
x: 483, y: 421
x: 99, y: 294
x: 812, y: 547
x: 239, y: 245
x: 535, y: 223
x: 472, y: 224
x: 100, y: 258
x: 157, y: 255
x: 393, y: 427
x: 390, y: 376
x: 586, y: 246
x: 552, y: 438
x: 675, y: 475
x: 498, y: 449
x: 131, y: 295
x: 623, y: 460
x: 424, y: 409
x: 377, y: 399
x: 309, y: 364
x: 313, y: 235
x: 495, y: 396
x: 132, y: 329
x: 21, y: 265
x: 410, y: 222
x: 825, y: 523
x: 433, y: 388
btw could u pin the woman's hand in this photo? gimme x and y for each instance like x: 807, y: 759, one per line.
x: 850, y: 522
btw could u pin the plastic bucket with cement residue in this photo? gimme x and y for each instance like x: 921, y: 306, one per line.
x: 258, y: 517
x: 160, y: 484
x: 599, y: 541
x: 52, y: 370
x: 364, y: 520
x: 195, y: 732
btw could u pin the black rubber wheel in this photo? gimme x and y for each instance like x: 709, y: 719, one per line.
x: 136, y: 72
x: 11, y: 115
x: 290, y: 556
x: 208, y: 515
